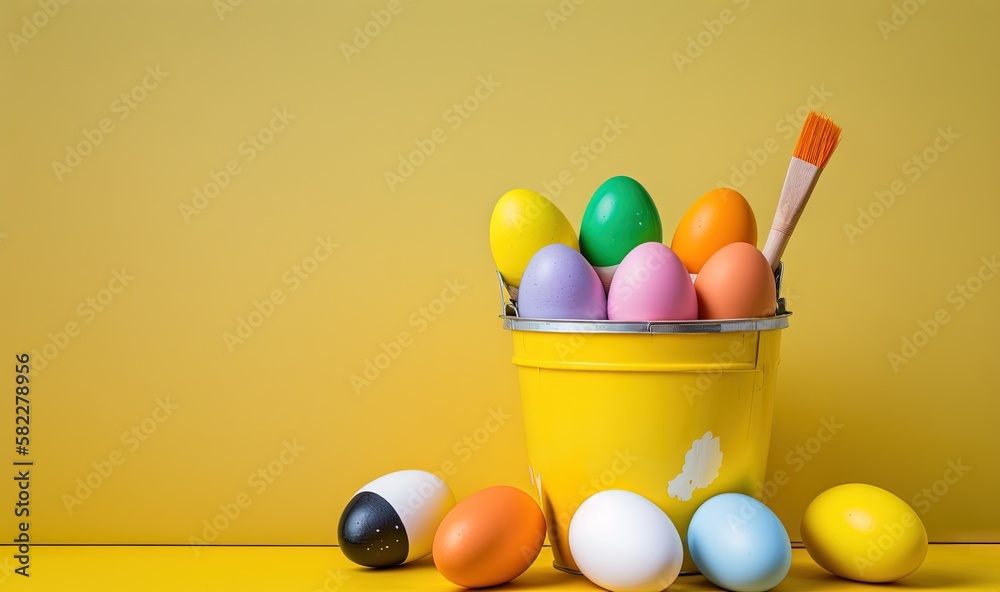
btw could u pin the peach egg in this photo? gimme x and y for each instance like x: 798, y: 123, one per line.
x: 735, y: 283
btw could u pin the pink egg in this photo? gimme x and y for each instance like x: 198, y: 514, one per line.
x: 652, y: 284
x: 560, y: 284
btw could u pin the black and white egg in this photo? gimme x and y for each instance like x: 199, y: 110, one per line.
x: 392, y: 520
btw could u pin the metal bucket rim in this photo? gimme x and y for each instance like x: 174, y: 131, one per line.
x: 654, y: 327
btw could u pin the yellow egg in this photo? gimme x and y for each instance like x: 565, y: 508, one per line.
x: 864, y: 533
x: 523, y: 222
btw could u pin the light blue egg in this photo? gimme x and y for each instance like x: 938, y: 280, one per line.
x: 739, y: 544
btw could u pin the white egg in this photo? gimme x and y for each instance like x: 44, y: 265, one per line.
x: 625, y: 543
x: 392, y: 520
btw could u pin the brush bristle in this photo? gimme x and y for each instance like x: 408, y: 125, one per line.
x: 819, y: 138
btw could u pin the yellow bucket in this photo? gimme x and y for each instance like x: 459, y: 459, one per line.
x: 675, y: 411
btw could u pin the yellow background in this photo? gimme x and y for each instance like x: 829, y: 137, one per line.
x: 323, y: 176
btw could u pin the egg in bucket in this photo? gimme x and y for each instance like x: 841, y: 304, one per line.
x: 620, y: 216
x: 675, y: 411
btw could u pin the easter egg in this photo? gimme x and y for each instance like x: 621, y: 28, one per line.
x: 623, y: 542
x: 719, y: 217
x: 739, y: 544
x: 489, y: 538
x: 651, y: 284
x: 392, y: 519
x: 523, y: 222
x: 864, y: 533
x: 559, y: 284
x: 735, y: 283
x: 620, y: 216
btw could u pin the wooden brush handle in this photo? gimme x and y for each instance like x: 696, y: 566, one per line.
x: 775, y: 246
x: 799, y: 183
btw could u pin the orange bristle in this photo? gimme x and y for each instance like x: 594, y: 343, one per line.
x: 819, y: 138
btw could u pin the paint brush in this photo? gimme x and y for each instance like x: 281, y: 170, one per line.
x: 819, y: 138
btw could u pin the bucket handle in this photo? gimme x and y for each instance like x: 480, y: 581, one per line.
x: 778, y: 274
x: 508, y: 298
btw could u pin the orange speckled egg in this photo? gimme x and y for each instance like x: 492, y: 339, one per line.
x: 489, y: 538
x: 735, y: 283
x: 719, y: 217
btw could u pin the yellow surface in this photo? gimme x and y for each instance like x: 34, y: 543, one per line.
x: 310, y: 569
x: 676, y: 418
x: 376, y: 345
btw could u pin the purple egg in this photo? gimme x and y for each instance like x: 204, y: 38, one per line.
x: 560, y: 284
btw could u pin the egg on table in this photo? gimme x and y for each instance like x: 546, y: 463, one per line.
x: 736, y: 282
x: 739, y: 544
x: 559, y: 284
x: 392, y: 520
x: 523, y: 222
x: 864, y: 533
x: 619, y: 217
x: 651, y: 284
x: 719, y: 217
x: 489, y: 538
x: 623, y: 542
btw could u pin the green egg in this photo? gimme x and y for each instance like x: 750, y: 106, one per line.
x: 620, y: 216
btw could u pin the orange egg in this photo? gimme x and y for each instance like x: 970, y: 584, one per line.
x: 719, y: 217
x: 735, y: 283
x: 489, y: 538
